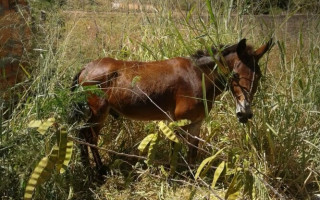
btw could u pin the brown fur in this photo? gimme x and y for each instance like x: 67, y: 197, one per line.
x: 169, y: 89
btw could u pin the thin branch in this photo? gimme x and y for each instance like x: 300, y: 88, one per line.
x: 76, y: 140
x: 104, y: 149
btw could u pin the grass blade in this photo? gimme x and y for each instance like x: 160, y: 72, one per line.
x: 204, y: 94
x: 206, y: 162
x: 217, y: 174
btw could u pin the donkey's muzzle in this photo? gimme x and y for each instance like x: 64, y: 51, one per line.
x: 243, y: 111
x: 243, y: 117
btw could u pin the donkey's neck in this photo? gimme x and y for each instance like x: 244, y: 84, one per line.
x: 213, y: 67
x: 216, y: 78
x: 204, y: 61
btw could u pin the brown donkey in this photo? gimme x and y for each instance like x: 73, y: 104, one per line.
x: 169, y: 89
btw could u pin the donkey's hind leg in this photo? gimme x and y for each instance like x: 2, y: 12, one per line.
x: 95, y: 153
x: 96, y: 123
x: 91, y: 136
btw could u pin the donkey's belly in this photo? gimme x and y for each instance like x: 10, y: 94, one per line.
x: 145, y: 112
x: 145, y: 115
x: 164, y: 110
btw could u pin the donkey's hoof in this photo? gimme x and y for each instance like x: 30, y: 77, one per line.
x: 103, y: 170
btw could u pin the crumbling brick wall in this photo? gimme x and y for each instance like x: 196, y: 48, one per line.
x: 15, y: 36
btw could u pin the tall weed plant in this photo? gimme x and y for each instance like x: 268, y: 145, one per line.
x: 274, y: 156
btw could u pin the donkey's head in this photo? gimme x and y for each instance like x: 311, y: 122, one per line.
x: 245, y: 76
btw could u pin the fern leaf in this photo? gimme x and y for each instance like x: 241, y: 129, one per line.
x: 62, y: 137
x: 167, y: 132
x: 41, y: 173
x: 182, y: 122
x: 44, y: 126
x: 152, y: 152
x: 62, y: 140
x: 67, y: 157
x: 54, y: 155
x: 34, y: 123
x: 144, y: 143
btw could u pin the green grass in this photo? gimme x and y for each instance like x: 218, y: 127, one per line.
x: 277, y: 153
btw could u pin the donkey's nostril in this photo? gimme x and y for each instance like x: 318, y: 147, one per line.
x: 240, y: 114
x: 250, y: 115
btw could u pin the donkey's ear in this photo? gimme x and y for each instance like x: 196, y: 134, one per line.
x: 263, y: 49
x: 241, y: 48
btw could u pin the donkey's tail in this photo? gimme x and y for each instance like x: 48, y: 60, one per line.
x: 75, y: 82
x: 78, y: 107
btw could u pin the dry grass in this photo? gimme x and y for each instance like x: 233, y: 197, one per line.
x: 280, y: 147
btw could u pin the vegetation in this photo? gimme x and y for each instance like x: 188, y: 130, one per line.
x: 274, y: 156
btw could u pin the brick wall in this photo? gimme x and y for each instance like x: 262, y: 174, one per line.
x: 14, y: 41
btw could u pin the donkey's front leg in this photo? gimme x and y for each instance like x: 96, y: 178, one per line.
x: 84, y: 136
x: 193, y: 131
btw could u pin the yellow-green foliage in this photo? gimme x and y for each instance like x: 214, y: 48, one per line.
x: 41, y: 173
x: 144, y: 143
x: 274, y: 156
x: 206, y: 164
x: 58, y: 158
x: 169, y: 133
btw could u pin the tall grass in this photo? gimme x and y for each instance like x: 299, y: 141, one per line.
x: 276, y: 154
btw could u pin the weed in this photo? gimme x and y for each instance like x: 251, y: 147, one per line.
x: 275, y: 156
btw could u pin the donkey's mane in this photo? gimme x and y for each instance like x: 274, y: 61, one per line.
x: 223, y: 49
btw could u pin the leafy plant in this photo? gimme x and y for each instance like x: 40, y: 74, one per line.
x: 169, y: 132
x: 275, y: 156
x: 58, y: 158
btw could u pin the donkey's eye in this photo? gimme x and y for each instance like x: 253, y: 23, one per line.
x: 235, y: 75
